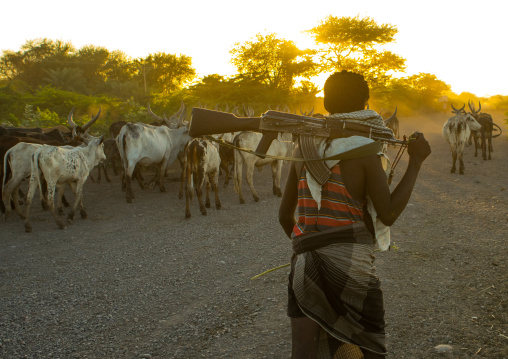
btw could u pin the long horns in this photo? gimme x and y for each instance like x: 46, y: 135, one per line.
x: 85, y: 127
x: 472, y: 107
x: 179, y: 116
x: 392, y: 116
x: 459, y: 110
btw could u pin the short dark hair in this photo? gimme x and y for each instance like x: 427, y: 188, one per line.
x: 345, y: 91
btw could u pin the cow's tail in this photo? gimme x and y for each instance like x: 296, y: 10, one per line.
x: 189, y: 149
x: 237, y: 165
x: 6, y: 167
x: 36, y: 175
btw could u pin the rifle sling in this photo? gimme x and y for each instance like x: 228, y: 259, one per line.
x: 362, y: 151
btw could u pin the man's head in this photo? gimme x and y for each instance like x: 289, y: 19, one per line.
x: 344, y: 92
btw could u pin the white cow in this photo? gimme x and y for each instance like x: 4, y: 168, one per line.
x: 250, y: 140
x: 146, y: 145
x: 456, y: 132
x: 17, y: 162
x: 61, y: 166
x: 202, y: 167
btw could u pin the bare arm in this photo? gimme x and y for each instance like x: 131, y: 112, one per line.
x: 366, y: 176
x: 289, y: 200
x: 390, y: 206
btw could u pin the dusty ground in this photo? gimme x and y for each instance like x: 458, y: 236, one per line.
x: 139, y: 281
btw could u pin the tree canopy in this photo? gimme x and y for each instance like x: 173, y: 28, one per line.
x: 352, y: 43
x: 269, y: 60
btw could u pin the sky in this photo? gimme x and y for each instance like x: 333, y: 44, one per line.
x: 464, y: 43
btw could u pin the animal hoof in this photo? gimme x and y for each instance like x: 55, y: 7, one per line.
x: 256, y: 199
x: 207, y: 205
x: 129, y: 200
x: 218, y: 206
x: 242, y: 201
x: 187, y: 215
x: 28, y: 228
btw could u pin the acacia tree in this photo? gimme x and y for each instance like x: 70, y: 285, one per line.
x: 271, y: 61
x: 351, y: 43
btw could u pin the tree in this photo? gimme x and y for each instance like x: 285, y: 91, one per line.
x: 165, y: 72
x: 35, y: 57
x: 271, y: 61
x: 351, y: 43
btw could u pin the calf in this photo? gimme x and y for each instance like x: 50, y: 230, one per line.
x: 61, y: 166
x: 202, y: 165
x: 456, y: 132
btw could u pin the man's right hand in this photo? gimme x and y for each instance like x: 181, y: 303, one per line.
x: 418, y: 147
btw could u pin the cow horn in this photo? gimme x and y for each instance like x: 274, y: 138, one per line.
x: 392, y: 116
x: 87, y: 125
x: 181, y: 119
x: 150, y: 112
x: 470, y: 108
x: 479, y: 106
x: 457, y: 111
x: 70, y: 121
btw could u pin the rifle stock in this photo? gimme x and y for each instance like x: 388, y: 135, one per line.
x: 209, y: 122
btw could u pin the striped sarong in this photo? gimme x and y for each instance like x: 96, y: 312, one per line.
x: 336, y: 285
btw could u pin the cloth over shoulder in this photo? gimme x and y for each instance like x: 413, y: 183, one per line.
x: 341, y: 145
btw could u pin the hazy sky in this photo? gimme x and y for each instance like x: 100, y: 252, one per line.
x: 464, y: 43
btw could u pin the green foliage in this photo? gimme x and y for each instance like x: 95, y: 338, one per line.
x: 270, y: 61
x: 352, y: 43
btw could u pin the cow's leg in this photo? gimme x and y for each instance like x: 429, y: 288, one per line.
x: 489, y: 141
x: 475, y: 138
x: 224, y: 166
x: 214, y: 179
x: 7, y: 194
x: 51, y: 191
x: 129, y: 195
x: 461, y: 163
x: 160, y: 178
x: 484, y: 147
x: 59, y: 199
x: 77, y: 189
x: 249, y: 178
x: 14, y: 194
x: 276, y: 173
x: 44, y: 196
x: 207, y: 200
x: 188, y: 190
x: 139, y: 177
x: 198, y: 185
x: 15, y: 200
x: 238, y: 179
x: 29, y: 196
x: 454, y: 159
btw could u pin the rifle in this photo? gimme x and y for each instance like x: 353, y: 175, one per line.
x: 305, y: 128
x: 209, y: 122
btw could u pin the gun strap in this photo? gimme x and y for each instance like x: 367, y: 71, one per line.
x: 318, y: 169
x: 362, y: 151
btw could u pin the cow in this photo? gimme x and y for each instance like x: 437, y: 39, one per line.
x: 19, y: 163
x: 392, y: 123
x: 456, y: 132
x: 202, y: 166
x: 484, y: 134
x: 61, y: 166
x: 250, y: 140
x: 142, y: 144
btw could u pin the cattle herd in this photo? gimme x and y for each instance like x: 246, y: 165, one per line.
x: 464, y: 127
x: 52, y: 158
